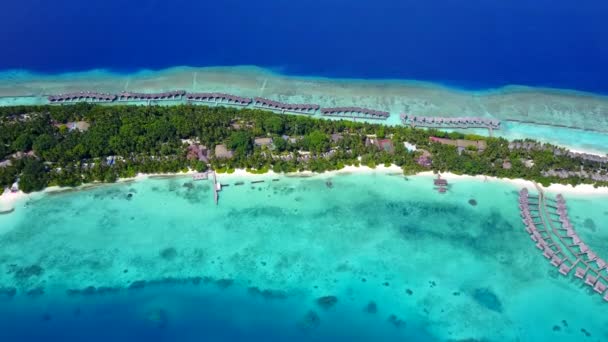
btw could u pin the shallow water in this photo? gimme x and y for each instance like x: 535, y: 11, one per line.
x: 172, y: 265
x: 586, y: 113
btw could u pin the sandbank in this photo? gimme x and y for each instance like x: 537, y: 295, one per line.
x: 9, y: 200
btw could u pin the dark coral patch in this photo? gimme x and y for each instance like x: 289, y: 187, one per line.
x: 396, y: 321
x: 35, y: 292
x: 589, y: 224
x: 371, y: 307
x: 29, y: 271
x: 310, y: 320
x: 8, y: 292
x: 488, y: 299
x: 168, y: 253
x: 138, y: 284
x: 327, y: 302
x: 224, y: 283
x: 267, y: 294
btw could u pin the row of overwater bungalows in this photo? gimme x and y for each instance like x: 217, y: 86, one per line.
x: 447, y: 122
x: 259, y: 102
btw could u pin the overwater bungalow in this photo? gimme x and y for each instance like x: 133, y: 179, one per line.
x: 580, y: 272
x: 262, y: 141
x: 261, y: 102
x: 564, y: 269
x: 599, y: 287
x: 355, y: 113
x: 164, y: 96
x: 556, y: 261
x: 591, y: 280
x: 83, y: 96
x: 219, y: 99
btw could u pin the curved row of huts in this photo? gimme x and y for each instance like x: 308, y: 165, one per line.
x: 449, y: 122
x: 259, y: 102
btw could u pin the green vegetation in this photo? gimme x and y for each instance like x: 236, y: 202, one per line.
x: 125, y: 140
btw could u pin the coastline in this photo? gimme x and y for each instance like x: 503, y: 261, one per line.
x: 545, y: 105
x: 9, y: 200
x: 525, y: 111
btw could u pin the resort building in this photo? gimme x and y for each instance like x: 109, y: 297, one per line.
x: 222, y: 152
x: 292, y: 140
x: 81, y: 126
x: 425, y: 159
x: 409, y: 146
x: 198, y: 152
x: 461, y: 144
x: 382, y: 144
x: 262, y: 141
x: 336, y: 137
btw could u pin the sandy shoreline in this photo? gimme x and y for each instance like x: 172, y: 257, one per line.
x: 9, y: 200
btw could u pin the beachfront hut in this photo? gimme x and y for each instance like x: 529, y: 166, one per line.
x: 222, y: 152
x: 336, y: 137
x: 81, y: 126
x: 262, y: 141
x: 409, y: 146
x: 5, y: 163
x: 386, y: 145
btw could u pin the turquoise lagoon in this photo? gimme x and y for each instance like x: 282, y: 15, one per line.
x: 390, y: 258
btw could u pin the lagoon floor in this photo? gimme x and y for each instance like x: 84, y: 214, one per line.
x: 361, y: 257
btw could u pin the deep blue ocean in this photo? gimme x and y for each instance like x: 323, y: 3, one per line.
x: 474, y: 44
x: 469, y: 44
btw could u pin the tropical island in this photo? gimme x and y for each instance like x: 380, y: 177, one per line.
x: 69, y: 145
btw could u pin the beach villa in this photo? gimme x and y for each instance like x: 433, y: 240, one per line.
x: 461, y: 144
x: 409, y: 146
x: 382, y: 144
x: 262, y: 141
x: 222, y: 152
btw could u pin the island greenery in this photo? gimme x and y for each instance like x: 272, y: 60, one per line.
x: 39, y: 148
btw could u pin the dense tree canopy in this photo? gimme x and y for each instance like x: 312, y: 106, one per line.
x: 124, y: 140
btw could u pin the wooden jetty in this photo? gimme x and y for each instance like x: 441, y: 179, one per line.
x: 355, y: 113
x: 217, y: 187
x: 83, y: 96
x: 263, y: 103
x: 218, y: 99
x: 555, y: 236
x: 441, y: 184
x: 200, y: 176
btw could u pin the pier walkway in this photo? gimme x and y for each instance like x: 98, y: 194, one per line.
x: 548, y: 225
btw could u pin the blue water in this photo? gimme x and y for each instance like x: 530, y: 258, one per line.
x: 186, y: 312
x: 472, y: 44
